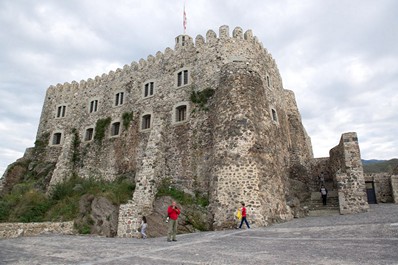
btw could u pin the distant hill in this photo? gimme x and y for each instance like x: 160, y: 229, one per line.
x: 378, y: 166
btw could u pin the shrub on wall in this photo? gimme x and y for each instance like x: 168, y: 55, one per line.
x: 100, y: 128
x: 201, y: 97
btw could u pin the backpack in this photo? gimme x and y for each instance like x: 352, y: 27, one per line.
x: 323, y: 191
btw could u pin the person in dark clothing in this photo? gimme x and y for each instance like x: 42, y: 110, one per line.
x: 324, y: 194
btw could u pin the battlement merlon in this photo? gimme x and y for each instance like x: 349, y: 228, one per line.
x: 182, y: 41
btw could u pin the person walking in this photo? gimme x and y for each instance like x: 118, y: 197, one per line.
x: 173, y: 213
x: 324, y: 194
x: 143, y: 227
x: 244, y: 217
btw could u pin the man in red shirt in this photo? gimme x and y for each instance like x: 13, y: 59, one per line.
x: 244, y: 216
x: 173, y: 213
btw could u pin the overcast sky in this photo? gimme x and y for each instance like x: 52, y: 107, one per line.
x: 339, y: 57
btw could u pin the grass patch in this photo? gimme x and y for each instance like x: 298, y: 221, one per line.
x: 166, y: 189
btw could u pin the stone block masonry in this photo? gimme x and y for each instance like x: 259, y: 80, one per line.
x: 239, y: 144
x: 346, y: 161
x: 11, y: 230
x: 394, y: 186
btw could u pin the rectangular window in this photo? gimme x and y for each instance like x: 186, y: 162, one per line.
x: 148, y: 89
x: 93, y: 106
x: 146, y: 121
x: 146, y: 92
x: 89, y: 134
x: 179, y: 79
x: 181, y: 113
x: 151, y: 88
x: 61, y: 111
x: 182, y: 78
x: 185, y: 77
x: 57, y: 138
x: 115, y: 129
x: 119, y: 97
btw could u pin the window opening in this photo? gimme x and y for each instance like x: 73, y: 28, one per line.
x: 115, y: 129
x: 181, y: 113
x: 61, y: 111
x: 119, y: 98
x: 89, y: 134
x: 146, y: 121
x: 182, y: 78
x: 274, y: 117
x: 93, y: 106
x: 148, y: 89
x: 57, y: 138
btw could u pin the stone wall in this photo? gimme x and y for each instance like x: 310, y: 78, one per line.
x: 345, y: 162
x: 382, y: 185
x: 394, y: 187
x: 11, y: 230
x: 244, y: 167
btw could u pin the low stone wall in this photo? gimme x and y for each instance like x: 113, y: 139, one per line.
x: 394, y: 186
x: 11, y: 230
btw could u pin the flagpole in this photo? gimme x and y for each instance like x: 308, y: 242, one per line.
x: 184, y: 23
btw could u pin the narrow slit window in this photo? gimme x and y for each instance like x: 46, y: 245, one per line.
x: 274, y: 116
x: 185, y: 77
x: 179, y: 79
x: 146, y: 92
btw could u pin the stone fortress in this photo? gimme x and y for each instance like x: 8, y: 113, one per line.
x: 242, y: 139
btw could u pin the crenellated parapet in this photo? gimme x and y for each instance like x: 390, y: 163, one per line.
x: 183, y: 41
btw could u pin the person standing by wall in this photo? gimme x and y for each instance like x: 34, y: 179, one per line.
x: 244, y: 216
x: 324, y: 194
x: 173, y: 213
x: 143, y: 227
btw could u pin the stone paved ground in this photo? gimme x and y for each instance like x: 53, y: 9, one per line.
x: 367, y: 238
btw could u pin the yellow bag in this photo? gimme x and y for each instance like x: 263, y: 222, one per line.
x: 239, y: 214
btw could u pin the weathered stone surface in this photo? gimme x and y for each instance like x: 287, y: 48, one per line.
x: 11, y: 230
x: 100, y: 214
x: 244, y: 143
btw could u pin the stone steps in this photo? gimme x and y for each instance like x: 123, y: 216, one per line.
x: 316, y: 207
x: 323, y: 212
